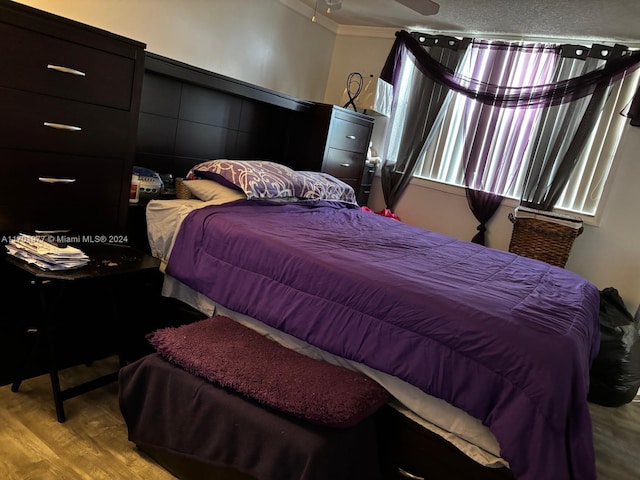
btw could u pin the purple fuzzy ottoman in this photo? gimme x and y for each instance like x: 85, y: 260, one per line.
x: 326, y: 432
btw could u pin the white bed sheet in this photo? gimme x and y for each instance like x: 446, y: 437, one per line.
x: 454, y: 425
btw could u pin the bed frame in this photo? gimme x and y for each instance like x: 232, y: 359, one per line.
x: 189, y: 115
x: 397, y: 437
x: 446, y: 462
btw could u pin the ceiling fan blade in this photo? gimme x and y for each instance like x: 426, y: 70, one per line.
x: 423, y: 7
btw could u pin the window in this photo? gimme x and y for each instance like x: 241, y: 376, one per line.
x: 443, y: 160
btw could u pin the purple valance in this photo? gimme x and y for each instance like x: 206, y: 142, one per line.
x: 504, y: 96
x: 634, y: 110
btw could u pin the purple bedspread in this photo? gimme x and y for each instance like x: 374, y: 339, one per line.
x: 508, y: 339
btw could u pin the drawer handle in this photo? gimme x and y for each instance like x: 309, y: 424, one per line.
x: 62, y: 126
x: 351, y: 137
x: 60, y: 68
x: 406, y: 474
x: 52, y: 232
x: 345, y: 165
x: 56, y: 180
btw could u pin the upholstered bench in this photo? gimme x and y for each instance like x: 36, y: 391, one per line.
x: 219, y: 397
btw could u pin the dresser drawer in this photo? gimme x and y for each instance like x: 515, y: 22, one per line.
x: 368, y: 174
x: 44, y: 64
x: 45, y: 192
x: 64, y: 180
x: 347, y: 135
x: 102, y: 131
x: 343, y: 164
x: 410, y: 451
x: 89, y: 218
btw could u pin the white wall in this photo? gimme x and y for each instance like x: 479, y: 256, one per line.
x: 364, y: 53
x: 258, y: 41
x: 266, y: 43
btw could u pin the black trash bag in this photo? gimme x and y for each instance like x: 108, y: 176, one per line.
x: 615, y: 373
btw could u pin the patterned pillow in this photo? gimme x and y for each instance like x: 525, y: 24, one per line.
x: 208, y: 191
x: 256, y: 178
x: 322, y: 186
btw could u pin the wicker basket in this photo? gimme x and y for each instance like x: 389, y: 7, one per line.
x: 544, y: 236
x: 182, y: 192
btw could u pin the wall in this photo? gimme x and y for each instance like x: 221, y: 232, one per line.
x: 365, y: 52
x: 258, y: 41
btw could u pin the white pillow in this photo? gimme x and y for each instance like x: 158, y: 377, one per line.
x: 209, y: 190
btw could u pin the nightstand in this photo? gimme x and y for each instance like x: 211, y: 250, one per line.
x: 137, y: 227
x: 108, y: 278
x: 366, y: 183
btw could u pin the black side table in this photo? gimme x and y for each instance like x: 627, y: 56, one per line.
x: 109, y: 267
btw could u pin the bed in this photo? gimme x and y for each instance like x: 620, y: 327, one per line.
x: 488, y: 350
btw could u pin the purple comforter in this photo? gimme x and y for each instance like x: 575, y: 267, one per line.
x: 508, y: 339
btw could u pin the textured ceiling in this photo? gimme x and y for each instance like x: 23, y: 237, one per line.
x: 596, y: 20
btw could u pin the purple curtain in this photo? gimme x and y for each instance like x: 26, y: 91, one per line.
x: 506, y: 96
x: 566, y: 128
x: 483, y: 192
x: 496, y: 138
x: 634, y: 110
x: 414, y: 127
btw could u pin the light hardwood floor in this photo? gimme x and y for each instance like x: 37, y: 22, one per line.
x: 92, y: 444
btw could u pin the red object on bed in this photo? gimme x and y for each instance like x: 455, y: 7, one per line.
x: 384, y: 212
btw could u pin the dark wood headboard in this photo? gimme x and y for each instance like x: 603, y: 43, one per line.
x: 189, y: 115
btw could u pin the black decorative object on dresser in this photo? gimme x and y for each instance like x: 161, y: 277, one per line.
x: 69, y: 96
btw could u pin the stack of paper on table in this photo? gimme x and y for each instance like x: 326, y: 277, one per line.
x: 36, y: 251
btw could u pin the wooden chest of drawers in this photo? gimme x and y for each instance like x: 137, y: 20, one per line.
x: 69, y: 103
x: 366, y: 183
x: 339, y: 142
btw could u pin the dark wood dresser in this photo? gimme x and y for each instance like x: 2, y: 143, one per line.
x: 69, y: 102
x: 69, y: 106
x: 339, y: 143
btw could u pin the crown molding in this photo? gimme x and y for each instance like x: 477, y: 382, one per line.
x: 361, y: 31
